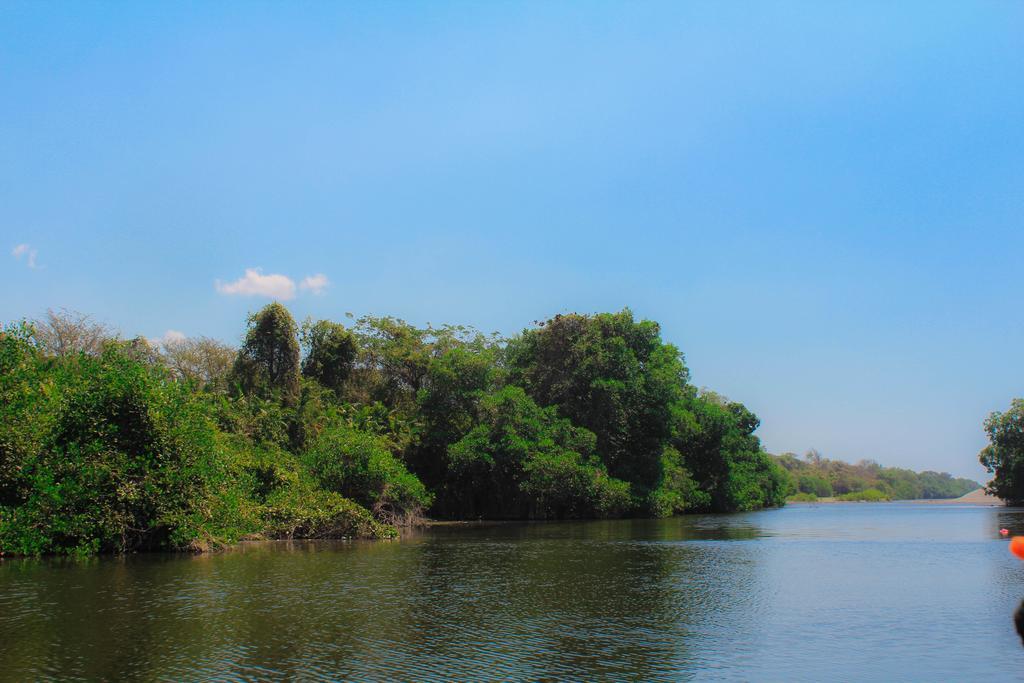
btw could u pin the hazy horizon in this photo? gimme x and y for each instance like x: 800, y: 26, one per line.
x: 821, y: 205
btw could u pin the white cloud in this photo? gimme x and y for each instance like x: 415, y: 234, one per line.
x: 255, y: 283
x: 315, y: 283
x: 25, y: 250
x: 169, y: 337
x: 172, y: 337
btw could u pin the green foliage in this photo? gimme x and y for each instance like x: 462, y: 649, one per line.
x: 1004, y: 456
x: 868, y: 495
x: 296, y: 512
x: 611, y: 375
x: 106, y: 453
x: 122, y: 461
x: 391, y: 363
x: 523, y: 461
x: 754, y: 481
x: 803, y: 497
x: 718, y: 443
x: 676, y: 491
x: 267, y: 365
x: 816, y: 485
x: 358, y: 465
x: 823, y: 477
x: 261, y: 420
x: 28, y: 402
x: 330, y: 353
x: 459, y: 373
x: 277, y: 497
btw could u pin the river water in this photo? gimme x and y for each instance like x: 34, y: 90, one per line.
x: 810, y: 592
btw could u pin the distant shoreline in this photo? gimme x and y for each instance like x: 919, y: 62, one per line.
x: 975, y: 497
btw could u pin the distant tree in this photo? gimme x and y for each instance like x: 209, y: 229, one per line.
x: 267, y: 365
x: 330, y: 353
x: 142, y: 350
x: 819, y: 486
x: 204, y: 361
x: 65, y: 333
x: 1004, y: 456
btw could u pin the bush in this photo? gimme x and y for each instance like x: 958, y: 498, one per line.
x: 107, y: 454
x: 124, y: 460
x: 867, y: 495
x: 814, y: 484
x: 755, y: 481
x: 358, y: 465
x: 803, y: 498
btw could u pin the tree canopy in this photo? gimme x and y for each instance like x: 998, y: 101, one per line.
x: 268, y: 362
x: 1004, y: 456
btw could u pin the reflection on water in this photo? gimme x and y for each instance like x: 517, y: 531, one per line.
x: 910, y: 592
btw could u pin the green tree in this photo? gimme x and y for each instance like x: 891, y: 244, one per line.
x: 720, y: 448
x: 267, y: 365
x: 523, y: 461
x: 611, y: 375
x: 1004, y: 456
x: 28, y: 399
x: 330, y: 353
x: 677, y: 491
x: 391, y: 364
x: 460, y: 372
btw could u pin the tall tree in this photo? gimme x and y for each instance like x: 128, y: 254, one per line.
x: 611, y: 375
x: 1004, y: 456
x: 267, y: 365
x: 330, y: 353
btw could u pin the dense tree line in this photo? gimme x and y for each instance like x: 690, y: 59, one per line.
x: 815, y: 476
x: 347, y: 430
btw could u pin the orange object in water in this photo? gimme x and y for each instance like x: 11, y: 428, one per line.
x: 1017, y: 546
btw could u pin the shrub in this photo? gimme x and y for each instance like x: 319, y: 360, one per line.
x: 124, y: 461
x: 814, y: 484
x: 867, y: 495
x: 358, y: 465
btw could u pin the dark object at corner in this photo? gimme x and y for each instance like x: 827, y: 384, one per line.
x: 1018, y: 620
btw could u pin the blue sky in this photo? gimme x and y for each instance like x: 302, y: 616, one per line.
x: 822, y: 203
